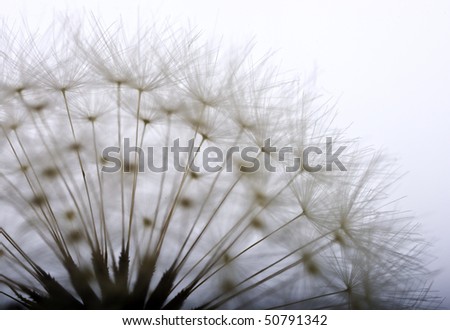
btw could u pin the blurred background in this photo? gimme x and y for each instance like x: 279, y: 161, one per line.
x: 384, y: 63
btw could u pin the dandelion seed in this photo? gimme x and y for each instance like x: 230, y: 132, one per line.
x: 70, y: 215
x: 147, y: 222
x: 38, y: 200
x: 75, y: 236
x: 50, y: 172
x: 75, y: 147
x: 186, y: 202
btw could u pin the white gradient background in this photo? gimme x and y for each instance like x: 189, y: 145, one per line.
x: 386, y: 62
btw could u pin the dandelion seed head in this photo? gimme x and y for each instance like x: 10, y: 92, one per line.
x: 137, y: 238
